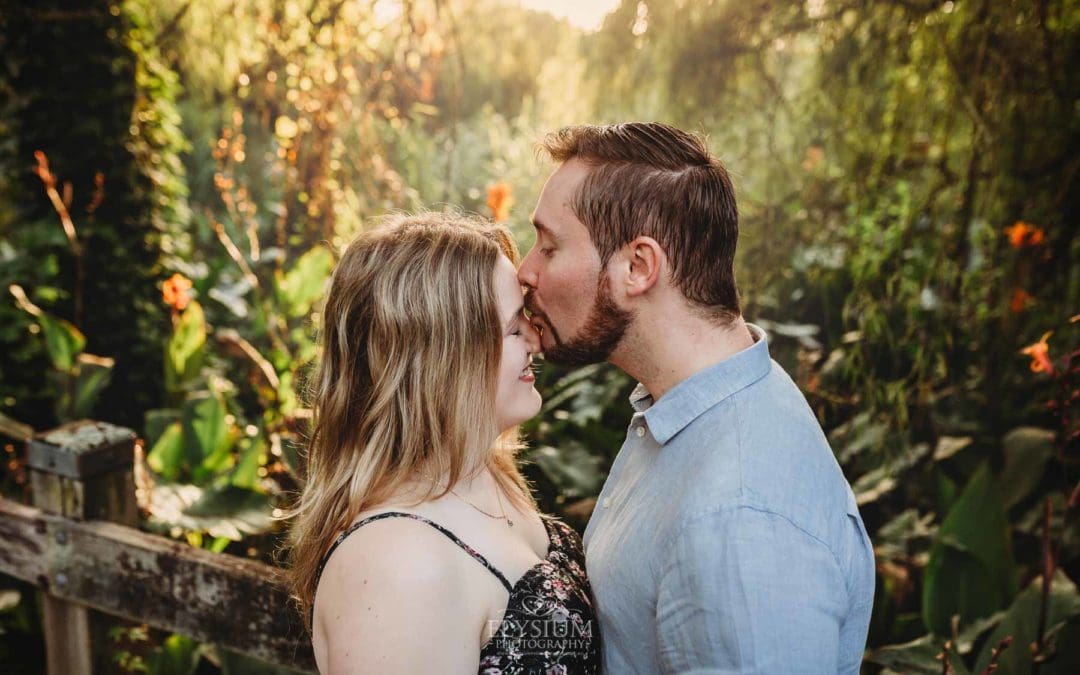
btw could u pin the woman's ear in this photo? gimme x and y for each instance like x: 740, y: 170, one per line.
x: 645, y: 261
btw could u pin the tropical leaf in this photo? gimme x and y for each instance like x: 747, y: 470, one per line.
x: 971, y: 570
x: 63, y: 341
x: 206, y: 435
x: 166, y: 457
x: 229, y: 511
x: 1027, y: 451
x: 1021, y: 621
x: 183, y: 354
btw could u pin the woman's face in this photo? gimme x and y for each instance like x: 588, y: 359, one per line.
x: 516, y: 399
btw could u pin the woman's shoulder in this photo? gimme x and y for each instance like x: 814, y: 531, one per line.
x: 387, y: 538
x: 390, y: 556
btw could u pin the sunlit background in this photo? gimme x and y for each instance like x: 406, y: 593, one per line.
x: 178, y: 176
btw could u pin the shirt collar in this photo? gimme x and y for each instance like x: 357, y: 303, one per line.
x: 688, y: 399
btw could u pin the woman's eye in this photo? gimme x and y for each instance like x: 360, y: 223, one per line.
x: 547, y: 251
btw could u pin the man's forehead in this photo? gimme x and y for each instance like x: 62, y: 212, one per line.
x: 554, y: 204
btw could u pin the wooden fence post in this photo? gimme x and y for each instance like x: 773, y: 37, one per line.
x: 83, y: 471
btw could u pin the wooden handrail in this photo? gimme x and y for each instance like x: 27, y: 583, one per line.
x: 66, y: 546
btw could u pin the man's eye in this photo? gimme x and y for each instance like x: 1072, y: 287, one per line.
x: 547, y: 251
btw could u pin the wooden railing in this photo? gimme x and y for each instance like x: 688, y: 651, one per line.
x: 78, y: 543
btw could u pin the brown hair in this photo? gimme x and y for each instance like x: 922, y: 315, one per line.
x: 653, y: 179
x: 409, y: 351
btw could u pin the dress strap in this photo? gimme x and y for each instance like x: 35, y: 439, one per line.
x: 401, y: 514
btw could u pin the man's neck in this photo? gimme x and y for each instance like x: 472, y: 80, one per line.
x: 662, y: 353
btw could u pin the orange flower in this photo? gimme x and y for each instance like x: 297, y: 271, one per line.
x: 174, y: 292
x: 1020, y: 300
x: 815, y: 154
x: 1040, y: 355
x: 1022, y: 234
x: 499, y: 200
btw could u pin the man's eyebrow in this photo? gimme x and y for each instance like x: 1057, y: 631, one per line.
x: 543, y: 229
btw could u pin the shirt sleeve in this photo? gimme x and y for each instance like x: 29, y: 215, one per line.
x: 746, y: 591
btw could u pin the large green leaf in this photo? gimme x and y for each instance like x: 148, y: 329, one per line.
x: 155, y: 421
x: 166, y: 457
x: 303, y: 284
x: 971, y: 570
x: 206, y: 435
x: 183, y: 354
x: 246, y: 472
x: 1022, y: 621
x: 63, y: 341
x: 1027, y: 451
x: 229, y: 512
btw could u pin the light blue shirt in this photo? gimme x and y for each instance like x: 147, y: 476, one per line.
x: 726, y: 538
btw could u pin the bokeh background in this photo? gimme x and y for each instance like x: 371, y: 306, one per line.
x: 176, y: 177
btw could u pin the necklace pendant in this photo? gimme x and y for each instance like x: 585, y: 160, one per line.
x: 509, y: 523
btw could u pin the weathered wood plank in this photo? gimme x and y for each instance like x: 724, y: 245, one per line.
x: 22, y: 543
x: 240, y: 604
x: 67, y: 627
x: 82, y: 471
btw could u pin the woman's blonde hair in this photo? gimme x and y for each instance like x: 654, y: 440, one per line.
x: 405, y: 383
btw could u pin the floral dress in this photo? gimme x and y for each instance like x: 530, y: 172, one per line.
x: 549, y: 627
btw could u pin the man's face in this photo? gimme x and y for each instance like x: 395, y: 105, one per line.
x: 569, y: 295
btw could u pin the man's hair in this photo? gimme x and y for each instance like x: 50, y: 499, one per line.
x: 655, y: 180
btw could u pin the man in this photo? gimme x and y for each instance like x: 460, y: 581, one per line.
x: 726, y: 539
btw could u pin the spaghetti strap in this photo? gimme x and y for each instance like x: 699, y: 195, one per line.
x: 401, y: 514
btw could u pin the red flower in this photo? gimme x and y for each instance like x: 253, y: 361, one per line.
x: 1020, y: 300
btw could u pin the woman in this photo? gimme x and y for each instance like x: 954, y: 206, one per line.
x: 417, y: 547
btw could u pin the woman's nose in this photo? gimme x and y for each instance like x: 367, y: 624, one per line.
x: 532, y: 338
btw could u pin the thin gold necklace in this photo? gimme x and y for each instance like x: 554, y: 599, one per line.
x: 509, y: 523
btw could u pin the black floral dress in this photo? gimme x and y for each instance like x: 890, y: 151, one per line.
x: 550, y: 626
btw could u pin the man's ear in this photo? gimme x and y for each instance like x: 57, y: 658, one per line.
x: 645, y: 262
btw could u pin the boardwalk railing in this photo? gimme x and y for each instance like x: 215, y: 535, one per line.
x: 78, y: 544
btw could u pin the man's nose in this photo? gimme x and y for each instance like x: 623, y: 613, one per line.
x: 527, y: 270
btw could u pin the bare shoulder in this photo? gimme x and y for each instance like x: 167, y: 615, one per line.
x: 399, y: 557
x: 388, y: 584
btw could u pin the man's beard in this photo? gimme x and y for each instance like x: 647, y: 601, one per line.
x: 603, y: 331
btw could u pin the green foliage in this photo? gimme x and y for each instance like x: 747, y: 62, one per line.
x: 184, y: 351
x: 886, y: 154
x: 302, y: 285
x: 970, y: 572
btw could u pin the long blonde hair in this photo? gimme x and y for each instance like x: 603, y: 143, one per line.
x: 405, y: 383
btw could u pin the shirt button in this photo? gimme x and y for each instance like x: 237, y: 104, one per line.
x: 640, y: 431
x: 607, y: 502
